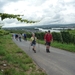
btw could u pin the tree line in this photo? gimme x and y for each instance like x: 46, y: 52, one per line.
x: 63, y: 37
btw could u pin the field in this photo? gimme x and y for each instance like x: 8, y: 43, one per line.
x: 64, y: 46
x: 13, y: 61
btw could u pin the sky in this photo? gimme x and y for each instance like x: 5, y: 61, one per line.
x: 46, y: 11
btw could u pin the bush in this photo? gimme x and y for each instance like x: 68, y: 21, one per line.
x: 66, y: 37
x: 57, y: 37
x: 3, y: 32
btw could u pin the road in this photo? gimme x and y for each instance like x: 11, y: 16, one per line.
x: 58, y: 62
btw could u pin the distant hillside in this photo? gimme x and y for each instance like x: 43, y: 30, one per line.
x: 58, y: 25
x: 45, y: 26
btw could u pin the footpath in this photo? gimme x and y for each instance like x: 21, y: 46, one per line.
x: 57, y: 62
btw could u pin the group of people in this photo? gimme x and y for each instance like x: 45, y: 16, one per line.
x: 47, y: 38
x: 19, y: 36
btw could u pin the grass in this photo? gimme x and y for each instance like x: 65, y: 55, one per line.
x: 64, y: 46
x: 67, y: 47
x: 16, y: 60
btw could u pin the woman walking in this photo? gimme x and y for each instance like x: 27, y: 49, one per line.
x: 33, y: 42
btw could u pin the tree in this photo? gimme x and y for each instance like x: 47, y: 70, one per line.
x: 5, y: 15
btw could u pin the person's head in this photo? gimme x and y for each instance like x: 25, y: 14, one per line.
x: 48, y: 31
x: 33, y: 34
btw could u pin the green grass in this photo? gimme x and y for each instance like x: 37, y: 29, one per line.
x: 16, y: 60
x: 2, y: 52
x: 64, y: 46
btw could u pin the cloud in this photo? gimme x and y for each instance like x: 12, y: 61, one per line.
x: 9, y: 21
x: 48, y: 11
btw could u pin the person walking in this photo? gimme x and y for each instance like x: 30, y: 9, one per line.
x: 16, y: 36
x: 20, y: 37
x: 25, y: 37
x: 33, y: 42
x: 48, y: 38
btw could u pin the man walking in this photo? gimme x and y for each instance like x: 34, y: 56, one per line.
x: 25, y: 37
x: 48, y: 38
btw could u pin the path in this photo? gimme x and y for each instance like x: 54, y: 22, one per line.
x: 58, y: 62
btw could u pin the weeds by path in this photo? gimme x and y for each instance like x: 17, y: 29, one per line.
x: 68, y: 47
x: 13, y: 61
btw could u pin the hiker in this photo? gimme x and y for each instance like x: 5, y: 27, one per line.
x: 20, y: 36
x: 33, y: 42
x: 25, y: 37
x: 16, y: 37
x: 48, y: 38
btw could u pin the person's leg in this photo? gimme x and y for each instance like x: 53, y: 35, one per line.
x: 20, y: 39
x: 16, y: 38
x: 34, y: 48
x: 25, y: 38
x: 48, y: 47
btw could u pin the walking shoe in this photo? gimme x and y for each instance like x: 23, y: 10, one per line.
x: 47, y: 50
x: 34, y: 51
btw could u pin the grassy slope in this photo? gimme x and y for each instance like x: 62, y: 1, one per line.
x: 13, y: 61
x: 67, y: 47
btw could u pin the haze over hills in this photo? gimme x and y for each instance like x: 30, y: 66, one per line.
x: 58, y: 26
x: 47, y: 26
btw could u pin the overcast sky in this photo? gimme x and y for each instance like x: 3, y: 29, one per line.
x: 47, y: 11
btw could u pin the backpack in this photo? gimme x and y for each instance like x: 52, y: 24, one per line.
x: 34, y: 41
x: 25, y: 35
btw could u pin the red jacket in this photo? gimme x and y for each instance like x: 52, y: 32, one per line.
x: 48, y: 37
